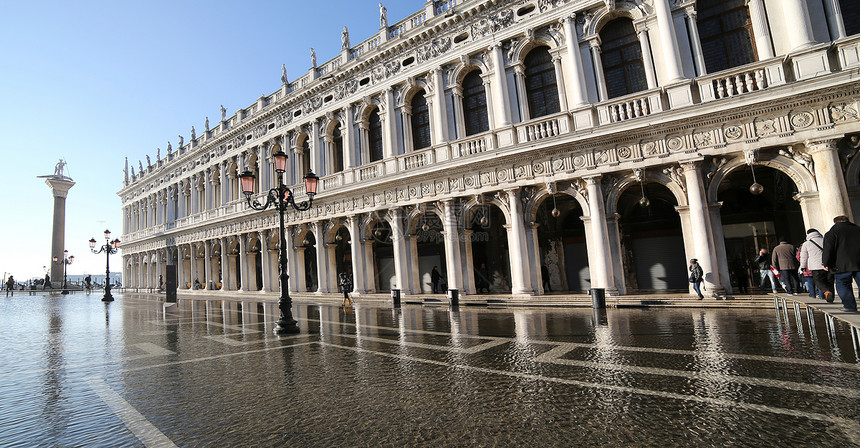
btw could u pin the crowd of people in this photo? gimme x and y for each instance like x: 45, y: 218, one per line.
x: 823, y: 266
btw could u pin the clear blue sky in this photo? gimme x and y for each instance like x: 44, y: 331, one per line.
x: 95, y: 81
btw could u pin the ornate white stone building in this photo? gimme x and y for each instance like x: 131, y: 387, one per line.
x: 607, y: 140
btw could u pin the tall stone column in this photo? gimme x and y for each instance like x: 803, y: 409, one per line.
x: 398, y: 238
x: 266, y: 260
x: 761, y: 30
x: 358, y: 269
x: 195, y: 274
x: 225, y: 264
x: 499, y: 86
x: 367, y: 246
x: 696, y: 42
x: 520, y: 261
x: 601, y: 272
x: 575, y: 79
x: 245, y: 284
x: 452, y: 245
x: 389, y: 141
x: 647, y: 59
x: 60, y: 187
x: 700, y: 225
x: 832, y: 192
x: 300, y: 280
x: 207, y: 266
x: 439, y: 108
x: 668, y: 41
x: 469, y: 264
x: 798, y: 23
x: 322, y: 266
x: 597, y: 61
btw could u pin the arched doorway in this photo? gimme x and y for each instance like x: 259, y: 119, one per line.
x: 562, y: 245
x: 309, y: 245
x: 383, y: 256
x: 216, y: 265
x: 752, y: 222
x: 342, y: 253
x: 490, y: 253
x: 255, y: 264
x: 429, y: 251
x: 652, y: 241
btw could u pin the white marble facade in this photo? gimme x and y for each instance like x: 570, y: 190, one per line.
x: 521, y: 133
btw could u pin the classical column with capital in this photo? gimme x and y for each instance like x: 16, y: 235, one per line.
x: 398, y: 238
x: 520, y: 261
x: 798, y: 23
x: 832, y: 192
x: 60, y: 187
x: 601, y: 272
x: 575, y: 79
x: 355, y: 248
x: 668, y: 41
x: 499, y: 87
x: 700, y: 226
x: 452, y: 245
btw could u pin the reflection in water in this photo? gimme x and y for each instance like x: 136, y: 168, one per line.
x: 53, y: 389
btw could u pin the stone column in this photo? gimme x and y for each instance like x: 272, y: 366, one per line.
x: 761, y: 31
x: 195, y: 270
x: 599, y: 76
x: 559, y: 76
x: 367, y: 246
x: 300, y: 280
x: 523, y: 103
x: 520, y: 261
x: 292, y: 262
x: 225, y: 264
x: 668, y: 41
x: 358, y: 269
x: 647, y: 59
x: 207, y: 266
x: 398, y: 238
x: 601, y: 272
x: 415, y: 276
x: 322, y: 267
x: 348, y: 135
x: 834, y: 16
x: 499, y: 85
x: 245, y: 284
x: 315, y: 156
x: 440, y: 109
x: 266, y: 260
x: 696, y: 42
x: 60, y: 187
x: 157, y: 266
x: 457, y: 91
x: 832, y: 192
x: 798, y: 23
x: 331, y: 267
x: 575, y: 79
x: 452, y: 245
x: 469, y: 268
x: 406, y: 119
x: 389, y: 134
x: 700, y: 225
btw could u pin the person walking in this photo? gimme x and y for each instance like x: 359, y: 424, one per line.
x: 435, y: 276
x: 764, y: 268
x: 784, y: 260
x: 811, y: 260
x: 841, y: 256
x: 696, y: 277
x: 482, y: 278
x: 740, y: 269
x: 47, y: 283
x: 345, y: 284
x: 10, y: 286
x: 544, y: 275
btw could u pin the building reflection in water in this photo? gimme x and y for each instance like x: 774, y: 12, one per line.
x: 53, y: 414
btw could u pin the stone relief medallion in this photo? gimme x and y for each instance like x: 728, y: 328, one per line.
x: 601, y: 157
x: 650, y: 148
x: 426, y: 189
x: 485, y: 178
x: 440, y: 187
x: 675, y: 143
x: 733, y: 132
x: 558, y: 164
x: 368, y: 201
x: 469, y: 182
x: 377, y: 198
x: 454, y: 184
x: 802, y: 120
x: 765, y: 127
x: 389, y: 196
x: 624, y: 152
x: 413, y: 192
x: 538, y: 168
x: 579, y: 161
x: 502, y: 175
x: 519, y: 171
x: 843, y: 112
x: 703, y: 139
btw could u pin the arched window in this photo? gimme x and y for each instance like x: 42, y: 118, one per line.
x: 337, y: 150
x: 475, y: 104
x: 541, y: 86
x: 622, y: 58
x: 375, y: 136
x: 850, y: 16
x: 725, y: 30
x: 306, y: 157
x: 420, y: 121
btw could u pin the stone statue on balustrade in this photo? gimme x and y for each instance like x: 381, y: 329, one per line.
x: 181, y: 141
x: 206, y: 124
x: 193, y: 134
x: 383, y: 16
x: 223, y: 113
x: 284, y: 74
x: 313, y: 58
x: 344, y: 39
x: 169, y: 149
x: 148, y: 163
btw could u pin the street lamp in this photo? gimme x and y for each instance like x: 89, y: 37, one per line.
x: 281, y: 198
x: 67, y: 260
x: 109, y: 248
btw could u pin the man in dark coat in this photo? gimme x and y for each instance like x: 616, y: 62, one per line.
x: 841, y: 256
x: 435, y: 276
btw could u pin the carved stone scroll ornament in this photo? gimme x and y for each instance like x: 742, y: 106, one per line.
x: 676, y: 173
x: 802, y: 158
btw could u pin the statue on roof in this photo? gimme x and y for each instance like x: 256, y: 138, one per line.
x: 383, y: 16
x: 193, y: 134
x: 206, y: 124
x: 313, y: 57
x: 58, y: 168
x: 169, y: 149
x: 284, y: 74
x: 223, y: 113
x: 181, y: 141
x: 344, y: 39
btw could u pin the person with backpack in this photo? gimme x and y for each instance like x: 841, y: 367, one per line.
x: 10, y: 286
x: 841, y: 256
x: 345, y: 284
x: 811, y: 259
x: 764, y: 268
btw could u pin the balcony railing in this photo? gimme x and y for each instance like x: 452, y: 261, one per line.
x: 641, y: 104
x: 741, y: 80
x: 371, y: 171
x: 473, y: 145
x: 543, y: 128
x: 417, y: 159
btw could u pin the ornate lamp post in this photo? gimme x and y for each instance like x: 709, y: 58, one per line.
x: 281, y: 198
x: 67, y: 260
x: 109, y: 248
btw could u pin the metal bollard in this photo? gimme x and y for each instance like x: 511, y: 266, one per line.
x: 395, y: 298
x: 598, y: 298
x: 454, y: 297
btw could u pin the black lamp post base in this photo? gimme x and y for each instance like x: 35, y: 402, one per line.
x: 65, y: 291
x: 107, y: 298
x: 284, y: 326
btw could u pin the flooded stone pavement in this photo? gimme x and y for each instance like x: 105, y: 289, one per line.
x: 75, y: 372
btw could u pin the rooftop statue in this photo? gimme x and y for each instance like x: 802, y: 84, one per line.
x: 344, y: 39
x: 283, y: 73
x: 223, y: 113
x: 383, y: 16
x: 313, y: 57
